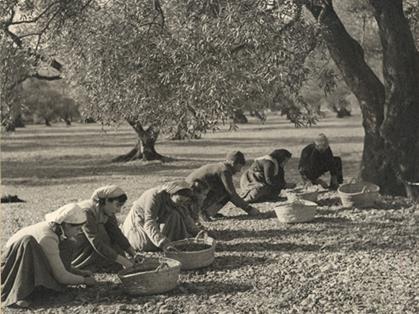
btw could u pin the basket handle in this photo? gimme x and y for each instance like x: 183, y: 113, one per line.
x: 163, y: 265
x: 365, y: 189
x: 353, y: 180
x: 201, y: 235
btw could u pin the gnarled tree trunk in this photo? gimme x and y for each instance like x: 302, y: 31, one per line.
x: 145, y: 147
x: 389, y: 111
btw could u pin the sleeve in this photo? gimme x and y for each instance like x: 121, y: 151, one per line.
x: 227, y: 180
x: 189, y: 220
x: 91, y: 231
x: 330, y: 162
x: 52, y: 252
x: 280, y: 179
x: 304, y: 163
x: 151, y: 206
x: 269, y: 172
x: 115, y: 233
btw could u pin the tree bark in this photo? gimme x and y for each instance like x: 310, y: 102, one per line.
x: 145, y: 146
x: 400, y: 128
x: 390, y: 130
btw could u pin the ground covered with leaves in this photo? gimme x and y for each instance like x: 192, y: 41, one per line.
x: 345, y: 261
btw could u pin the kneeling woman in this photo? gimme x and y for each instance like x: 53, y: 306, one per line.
x: 102, y: 245
x: 264, y: 180
x: 160, y: 216
x: 32, y: 257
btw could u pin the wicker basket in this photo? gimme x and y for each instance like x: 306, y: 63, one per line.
x: 194, y: 259
x: 301, y: 193
x: 296, y: 211
x: 153, y: 276
x: 360, y: 194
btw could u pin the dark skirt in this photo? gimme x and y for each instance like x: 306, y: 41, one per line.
x: 25, y: 267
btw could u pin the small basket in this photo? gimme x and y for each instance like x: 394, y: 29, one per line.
x: 152, y: 276
x: 359, y: 195
x: 296, y: 211
x: 301, y: 193
x: 194, y: 259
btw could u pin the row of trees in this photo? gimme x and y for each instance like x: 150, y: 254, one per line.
x: 189, y: 64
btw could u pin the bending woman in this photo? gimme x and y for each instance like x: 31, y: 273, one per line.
x: 102, y: 245
x: 33, y: 258
x: 264, y: 180
x: 160, y: 216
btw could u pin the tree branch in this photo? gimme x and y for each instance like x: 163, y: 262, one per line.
x: 349, y: 58
x: 36, y: 18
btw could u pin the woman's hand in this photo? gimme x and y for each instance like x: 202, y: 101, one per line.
x: 125, y: 262
x: 138, y: 258
x: 170, y: 248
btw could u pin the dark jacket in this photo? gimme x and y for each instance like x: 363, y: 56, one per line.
x: 219, y: 177
x: 262, y: 173
x: 314, y: 163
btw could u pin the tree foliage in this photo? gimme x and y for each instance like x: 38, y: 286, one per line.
x: 187, y: 62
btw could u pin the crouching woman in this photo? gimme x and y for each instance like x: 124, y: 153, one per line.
x: 32, y: 257
x: 102, y: 245
x: 159, y: 217
x: 265, y: 178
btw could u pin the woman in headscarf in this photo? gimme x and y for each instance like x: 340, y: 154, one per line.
x: 160, y: 216
x: 32, y: 257
x: 102, y: 245
x: 264, y: 180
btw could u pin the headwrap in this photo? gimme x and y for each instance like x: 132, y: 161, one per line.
x: 280, y: 155
x: 108, y: 191
x: 321, y: 139
x: 276, y: 157
x: 236, y: 157
x: 176, y: 186
x: 70, y: 213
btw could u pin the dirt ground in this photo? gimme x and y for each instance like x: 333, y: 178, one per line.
x: 345, y: 261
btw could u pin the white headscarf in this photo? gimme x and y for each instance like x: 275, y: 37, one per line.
x: 108, y: 191
x: 70, y: 213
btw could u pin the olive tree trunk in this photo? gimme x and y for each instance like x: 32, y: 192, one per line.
x: 390, y: 111
x: 145, y: 147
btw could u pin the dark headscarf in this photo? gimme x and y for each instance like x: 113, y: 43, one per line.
x: 280, y: 155
x: 236, y: 157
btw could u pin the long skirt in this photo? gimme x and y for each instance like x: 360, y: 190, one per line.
x: 24, y: 267
x: 255, y: 189
x: 263, y: 193
x: 84, y: 256
x: 173, y: 227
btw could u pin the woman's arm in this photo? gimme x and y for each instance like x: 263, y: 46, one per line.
x: 61, y: 274
x: 91, y: 231
x: 151, y: 206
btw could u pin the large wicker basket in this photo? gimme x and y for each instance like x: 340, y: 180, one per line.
x: 296, y: 211
x: 152, y: 276
x: 301, y: 193
x: 194, y: 259
x: 359, y: 195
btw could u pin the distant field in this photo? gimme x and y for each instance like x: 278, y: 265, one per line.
x: 50, y: 166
